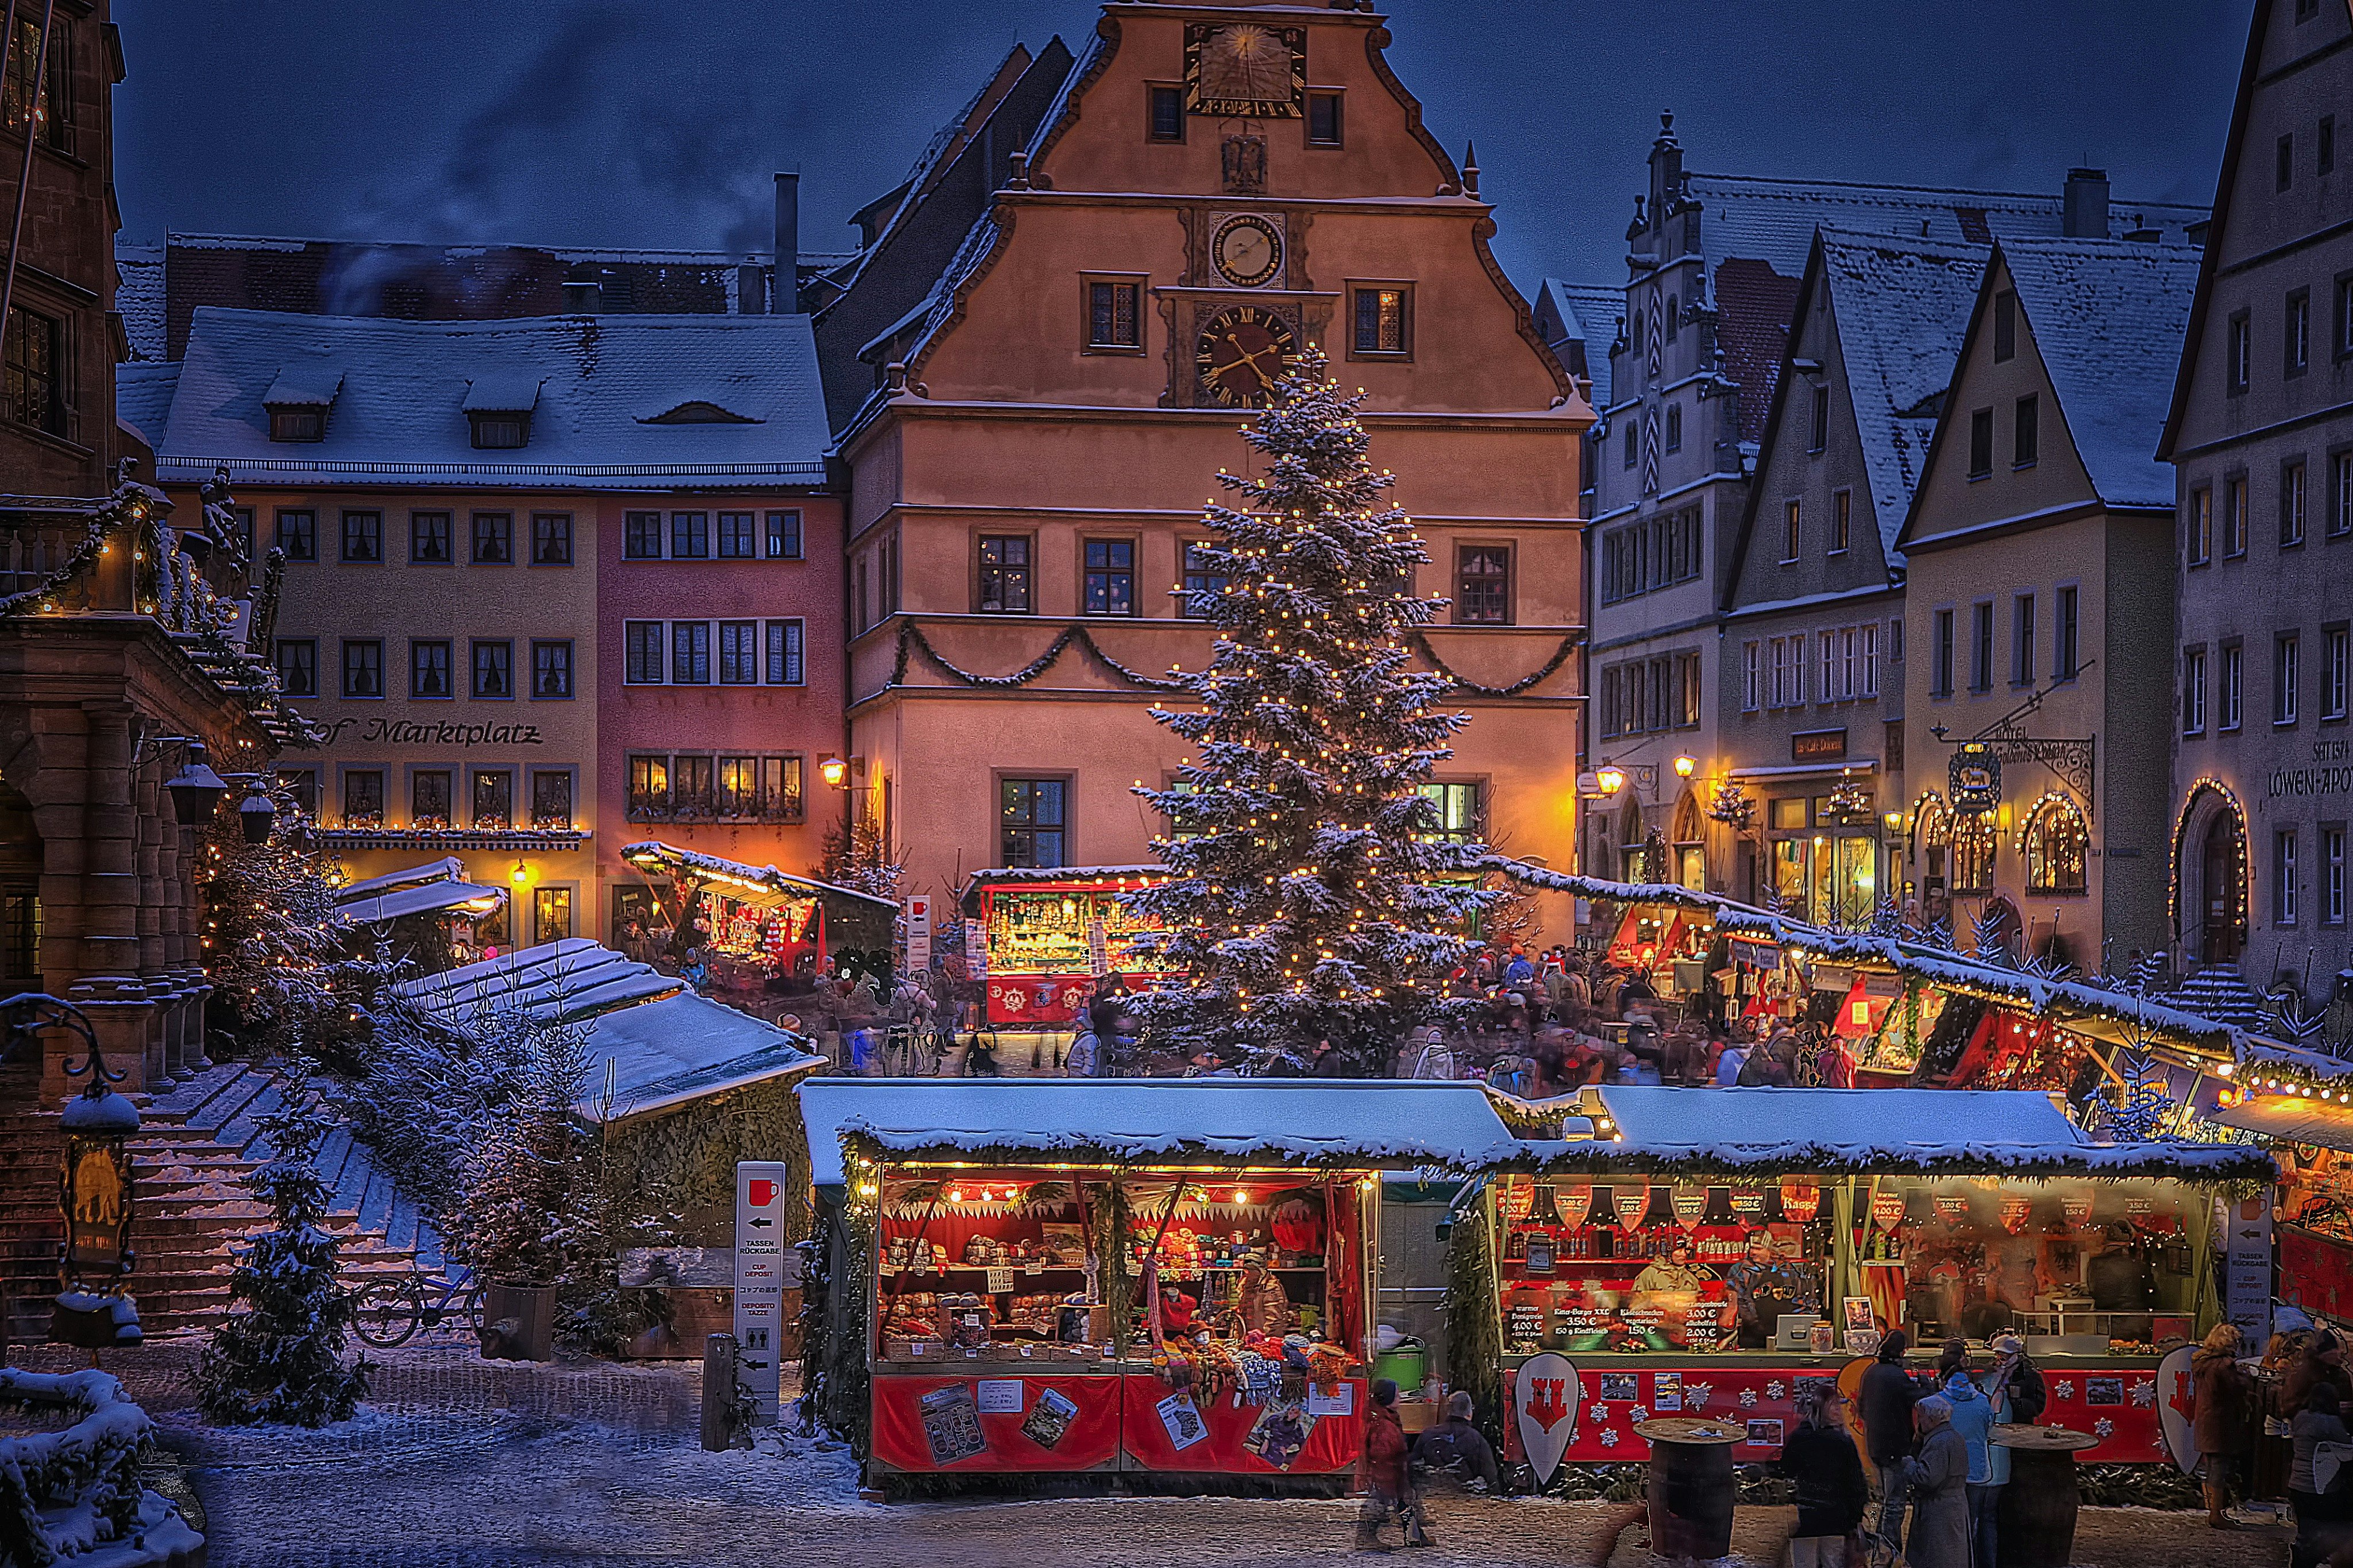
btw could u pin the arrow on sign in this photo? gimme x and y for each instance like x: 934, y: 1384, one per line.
x: 761, y: 1222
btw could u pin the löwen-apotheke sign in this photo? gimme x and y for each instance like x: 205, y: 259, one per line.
x: 410, y: 732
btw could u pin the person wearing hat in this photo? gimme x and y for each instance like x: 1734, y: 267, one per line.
x: 1825, y: 1470
x: 1973, y: 1417
x: 2015, y: 1376
x: 1939, y: 1474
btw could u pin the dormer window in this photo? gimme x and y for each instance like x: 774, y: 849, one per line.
x: 298, y: 424
x: 698, y: 411
x: 299, y: 400
x: 499, y: 405
x: 496, y: 432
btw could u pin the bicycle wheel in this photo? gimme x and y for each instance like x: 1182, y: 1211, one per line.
x: 384, y: 1313
x: 470, y: 1309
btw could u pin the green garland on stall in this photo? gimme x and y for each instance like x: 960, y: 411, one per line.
x: 681, y: 1162
x: 1113, y: 1234
x: 1474, y: 1318
x: 836, y: 1380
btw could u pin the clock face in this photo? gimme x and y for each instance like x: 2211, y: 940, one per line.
x: 1242, y: 352
x: 1248, y: 251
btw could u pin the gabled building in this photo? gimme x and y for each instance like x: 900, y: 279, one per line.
x: 2260, y: 438
x: 2038, y: 606
x: 1713, y: 264
x: 1812, y: 614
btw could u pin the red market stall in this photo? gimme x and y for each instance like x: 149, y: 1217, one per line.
x: 996, y: 1247
x: 1049, y: 933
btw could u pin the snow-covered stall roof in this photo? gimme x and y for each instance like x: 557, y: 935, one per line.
x: 747, y: 878
x: 1024, y: 874
x: 423, y: 899
x: 448, y: 868
x: 1406, y: 1123
x: 558, y: 980
x: 1862, y: 1130
x: 401, y: 390
x: 2291, y: 1118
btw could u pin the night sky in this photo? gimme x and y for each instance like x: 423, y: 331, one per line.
x: 571, y: 123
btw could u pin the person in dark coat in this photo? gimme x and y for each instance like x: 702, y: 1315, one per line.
x: 2224, y: 1399
x: 1823, y: 1467
x: 1940, y: 1497
x: 1457, y: 1449
x: 2321, y: 1361
x: 2014, y: 1370
x: 1382, y: 1472
x: 1888, y: 1395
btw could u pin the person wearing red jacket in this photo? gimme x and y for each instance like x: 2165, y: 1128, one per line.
x: 1382, y: 1472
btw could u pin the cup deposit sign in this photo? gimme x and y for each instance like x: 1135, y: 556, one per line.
x: 765, y: 1265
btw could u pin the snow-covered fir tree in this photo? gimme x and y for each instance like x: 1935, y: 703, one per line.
x: 272, y: 944
x: 279, y: 1357
x: 1308, y: 900
x: 530, y: 1209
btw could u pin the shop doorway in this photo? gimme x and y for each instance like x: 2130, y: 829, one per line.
x: 2223, y: 871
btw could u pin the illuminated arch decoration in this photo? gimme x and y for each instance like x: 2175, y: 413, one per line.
x: 2055, y: 844
x: 1932, y: 823
x: 2239, y: 899
x: 1968, y: 866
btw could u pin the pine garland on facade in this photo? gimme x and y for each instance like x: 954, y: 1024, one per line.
x: 1308, y: 899
x: 278, y: 1359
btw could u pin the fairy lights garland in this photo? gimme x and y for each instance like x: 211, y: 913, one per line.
x: 2180, y: 835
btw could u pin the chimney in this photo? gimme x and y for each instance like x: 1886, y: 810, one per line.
x: 2086, y: 203
x: 784, y: 298
x: 751, y: 291
x: 584, y: 289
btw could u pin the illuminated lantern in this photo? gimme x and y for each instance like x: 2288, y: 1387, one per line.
x: 1802, y: 1201
x: 94, y: 1190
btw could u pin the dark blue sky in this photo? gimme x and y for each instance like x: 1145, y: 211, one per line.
x: 580, y: 123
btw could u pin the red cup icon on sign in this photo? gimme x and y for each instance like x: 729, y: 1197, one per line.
x: 762, y: 1192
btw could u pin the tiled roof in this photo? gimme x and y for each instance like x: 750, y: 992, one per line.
x: 1774, y: 221
x: 1753, y: 307
x: 139, y: 298
x: 2108, y: 318
x: 1589, y: 313
x: 142, y: 397
x: 1902, y: 308
x: 397, y: 415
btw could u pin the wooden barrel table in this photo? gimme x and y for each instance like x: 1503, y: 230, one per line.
x: 1690, y: 1484
x: 2034, y: 1522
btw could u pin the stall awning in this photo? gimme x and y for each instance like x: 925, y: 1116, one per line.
x: 2291, y: 1118
x: 1397, y: 1124
x: 448, y: 868
x: 568, y: 979
x: 420, y: 900
x: 745, y: 883
x: 1047, y: 875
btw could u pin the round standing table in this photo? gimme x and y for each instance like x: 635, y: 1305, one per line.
x: 2035, y: 1520
x: 1690, y: 1484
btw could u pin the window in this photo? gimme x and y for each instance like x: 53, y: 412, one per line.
x: 428, y: 671
x: 2284, y: 877
x: 785, y: 535
x: 787, y: 655
x: 305, y: 423
x: 1941, y: 656
x: 2336, y: 671
x: 2297, y: 340
x: 1384, y: 320
x: 2005, y: 325
x: 2343, y: 314
x: 1166, y: 113
x: 551, y: 671
x: 51, y: 108
x: 297, y: 665
x: 2198, y: 527
x: 362, y: 667
x: 302, y: 784
x: 1972, y: 855
x: 2283, y: 162
x: 493, y: 798
x: 364, y: 797
x: 241, y: 530
x: 739, y: 653
x: 363, y: 536
x: 2057, y: 846
x: 1675, y: 314
x: 1820, y: 436
x: 690, y: 653
x: 648, y: 797
x: 493, y: 538
x: 1483, y: 584
x: 689, y: 535
x: 738, y: 535
x: 2287, y: 673
x: 550, y: 539
x: 1981, y: 646
x: 690, y: 794
x: 2233, y: 695
x: 2021, y: 640
x: 2332, y: 873
x: 1202, y: 576
x: 2306, y: 10
x: 1031, y: 813
x: 641, y: 536
x: 2193, y: 691
x: 429, y: 538
x: 1114, y: 320
x: 36, y: 368
x: 430, y: 790
x: 298, y: 535
x: 1110, y: 577
x: 642, y: 656
x: 2291, y: 503
x: 1004, y: 575
x: 551, y: 799
x: 2327, y: 160
x: 1752, y: 694
x: 2026, y: 433
x: 502, y: 431
x: 1325, y: 123
x: 1627, y: 445
x: 1895, y: 641
x: 2340, y: 494
x: 2238, y: 361
x: 2234, y: 515
x: 1461, y: 816
x: 1842, y: 522
x: 1674, y: 427
x: 1792, y: 524
x: 495, y: 669
x: 2066, y: 646
x: 1980, y: 443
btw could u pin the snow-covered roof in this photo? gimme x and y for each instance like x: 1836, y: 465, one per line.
x: 1903, y: 308
x: 2291, y: 1119
x: 558, y: 980
x: 1590, y: 312
x: 674, y: 1050
x: 502, y: 392
x: 400, y: 413
x: 142, y: 397
x: 422, y: 899
x: 139, y: 298
x: 653, y: 853
x: 1405, y: 1122
x: 1773, y: 220
x: 995, y: 875
x: 448, y: 868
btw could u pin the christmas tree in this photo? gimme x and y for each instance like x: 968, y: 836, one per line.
x: 279, y: 1356
x: 273, y: 946
x: 531, y: 1207
x: 1308, y: 899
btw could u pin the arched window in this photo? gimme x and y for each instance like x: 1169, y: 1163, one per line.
x: 1674, y: 316
x: 2055, y: 843
x: 1972, y: 855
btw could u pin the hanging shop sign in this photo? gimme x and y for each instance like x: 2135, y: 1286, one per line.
x: 1818, y: 746
x: 1975, y: 777
x: 1689, y: 1203
x: 1545, y: 1401
x: 1887, y: 1210
x: 2247, y: 1265
x: 2015, y: 1211
x: 1630, y: 1203
x: 2077, y: 1208
x: 1756, y: 954
x: 1802, y: 1201
x: 1952, y: 1207
x: 919, y: 933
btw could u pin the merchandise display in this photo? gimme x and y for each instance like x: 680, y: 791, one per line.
x: 1047, y: 934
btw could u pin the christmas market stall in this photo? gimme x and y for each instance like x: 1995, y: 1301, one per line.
x: 1043, y: 933
x: 1171, y: 1274
x: 2299, y: 1101
x: 1712, y: 1252
x: 757, y: 929
x: 430, y: 913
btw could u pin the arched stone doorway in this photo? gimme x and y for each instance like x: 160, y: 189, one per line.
x: 20, y: 894
x: 2210, y: 874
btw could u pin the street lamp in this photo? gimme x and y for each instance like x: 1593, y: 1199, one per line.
x: 195, y: 790
x: 833, y: 770
x: 94, y: 1186
x: 1686, y: 766
x: 256, y: 815
x: 1611, y: 780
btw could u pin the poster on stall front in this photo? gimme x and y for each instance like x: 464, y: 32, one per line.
x: 1049, y: 1418
x: 976, y: 950
x: 1184, y: 1421
x: 2247, y: 1264
x: 952, y: 1424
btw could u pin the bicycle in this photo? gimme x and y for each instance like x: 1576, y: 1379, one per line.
x: 909, y: 1051
x: 388, y: 1312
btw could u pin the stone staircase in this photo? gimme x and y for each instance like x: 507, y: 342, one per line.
x: 195, y: 1141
